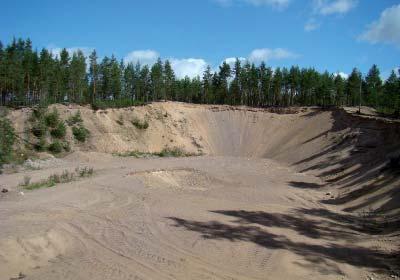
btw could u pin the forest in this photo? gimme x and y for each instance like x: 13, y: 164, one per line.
x: 29, y: 77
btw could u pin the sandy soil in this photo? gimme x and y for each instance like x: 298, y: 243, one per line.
x: 277, y: 196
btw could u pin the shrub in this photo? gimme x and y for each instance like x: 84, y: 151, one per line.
x: 75, y: 119
x: 59, y: 131
x: 172, y: 152
x: 139, y: 124
x: 52, y: 119
x: 7, y: 138
x: 40, y: 146
x: 80, y: 133
x: 39, y: 129
x: 56, y: 147
x: 38, y: 113
x: 66, y: 146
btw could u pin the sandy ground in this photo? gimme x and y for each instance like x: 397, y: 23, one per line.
x: 263, y: 204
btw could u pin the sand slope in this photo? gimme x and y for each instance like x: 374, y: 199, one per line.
x: 275, y: 196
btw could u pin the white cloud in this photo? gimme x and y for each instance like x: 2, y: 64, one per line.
x: 55, y: 51
x: 342, y: 74
x: 280, y: 4
x: 259, y: 55
x: 144, y: 57
x: 311, y: 25
x: 232, y: 60
x: 329, y: 7
x: 386, y: 29
x: 190, y: 67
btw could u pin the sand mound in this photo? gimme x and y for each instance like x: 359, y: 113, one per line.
x: 342, y: 148
x: 298, y: 193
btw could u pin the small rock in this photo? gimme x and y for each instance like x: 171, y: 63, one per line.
x: 328, y: 193
x: 21, y: 193
x: 4, y: 190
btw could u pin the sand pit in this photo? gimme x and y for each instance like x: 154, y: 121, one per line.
x: 305, y: 194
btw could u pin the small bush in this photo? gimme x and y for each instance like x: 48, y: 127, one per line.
x: 80, y: 133
x: 75, y: 119
x: 41, y: 145
x: 39, y: 129
x: 38, y: 113
x: 66, y: 146
x: 59, y: 131
x: 52, y: 119
x: 139, y: 124
x: 7, y: 138
x: 56, y: 147
x: 174, y: 152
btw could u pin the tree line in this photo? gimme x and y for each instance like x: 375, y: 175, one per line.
x: 29, y: 77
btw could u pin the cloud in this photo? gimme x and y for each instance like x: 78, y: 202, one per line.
x: 259, y: 55
x: 231, y: 60
x: 144, y: 57
x: 190, y: 67
x: 386, y: 29
x: 55, y: 51
x: 330, y: 7
x: 280, y: 4
x: 311, y: 25
x: 342, y: 74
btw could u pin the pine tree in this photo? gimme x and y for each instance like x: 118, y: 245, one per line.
x: 93, y: 75
x: 169, y: 81
x: 373, y: 85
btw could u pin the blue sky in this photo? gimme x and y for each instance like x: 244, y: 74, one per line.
x: 334, y: 35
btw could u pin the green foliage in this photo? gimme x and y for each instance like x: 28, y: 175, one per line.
x: 38, y: 113
x: 80, y: 133
x: 135, y: 154
x: 66, y: 146
x: 7, y: 138
x: 75, y: 119
x: 166, y: 152
x: 41, y: 144
x: 52, y: 119
x: 140, y: 124
x: 59, y: 131
x: 172, y: 152
x: 56, y: 147
x: 120, y: 103
x: 111, y: 84
x: 39, y: 129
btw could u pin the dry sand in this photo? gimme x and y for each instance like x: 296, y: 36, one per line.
x: 275, y: 196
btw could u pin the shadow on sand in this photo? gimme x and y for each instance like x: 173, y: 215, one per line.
x: 251, y: 226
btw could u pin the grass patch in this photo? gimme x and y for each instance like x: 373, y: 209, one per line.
x: 140, y: 124
x: 65, y: 177
x: 173, y: 152
x: 166, y: 152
